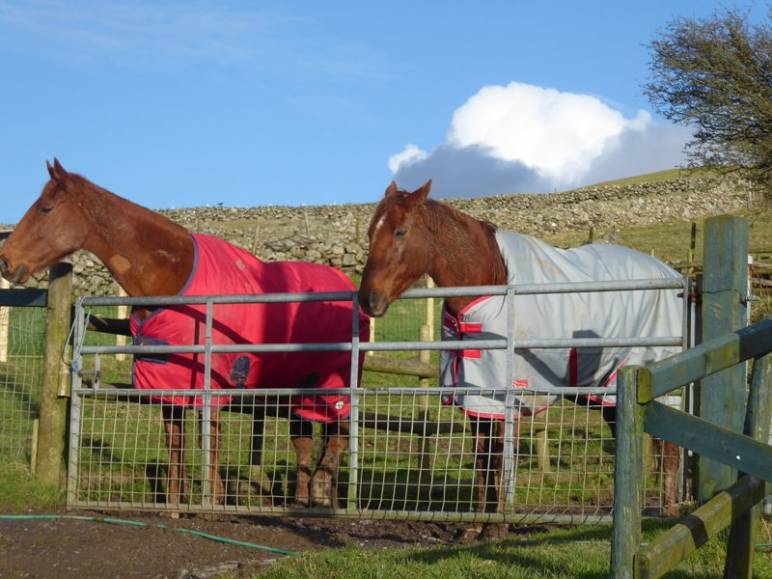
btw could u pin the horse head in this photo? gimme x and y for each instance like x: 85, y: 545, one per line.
x: 400, y: 248
x: 52, y: 228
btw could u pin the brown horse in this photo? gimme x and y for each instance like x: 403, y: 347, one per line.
x: 149, y: 255
x: 412, y: 235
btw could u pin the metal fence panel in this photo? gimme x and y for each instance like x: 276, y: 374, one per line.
x: 410, y: 455
x: 563, y: 460
x: 22, y: 339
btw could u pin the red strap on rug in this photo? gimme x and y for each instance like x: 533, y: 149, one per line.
x: 469, y: 327
x: 573, y: 367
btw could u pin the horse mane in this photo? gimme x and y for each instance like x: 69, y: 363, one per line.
x: 100, y: 199
x: 442, y: 219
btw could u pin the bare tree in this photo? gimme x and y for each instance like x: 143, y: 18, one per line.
x: 716, y: 74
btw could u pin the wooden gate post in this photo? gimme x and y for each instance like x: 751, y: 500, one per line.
x: 628, y: 474
x: 721, y: 398
x: 425, y: 466
x: 122, y: 314
x: 53, y: 406
x: 744, y: 529
x: 5, y: 318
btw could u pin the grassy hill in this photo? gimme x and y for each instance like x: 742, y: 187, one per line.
x: 655, y: 177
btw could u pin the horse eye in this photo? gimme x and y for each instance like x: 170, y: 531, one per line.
x: 45, y: 209
x: 400, y: 232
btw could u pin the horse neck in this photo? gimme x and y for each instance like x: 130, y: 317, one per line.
x: 146, y: 253
x: 466, y: 252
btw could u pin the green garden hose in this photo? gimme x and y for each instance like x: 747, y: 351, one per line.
x: 130, y: 523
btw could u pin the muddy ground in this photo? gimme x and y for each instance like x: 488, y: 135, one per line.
x: 67, y: 548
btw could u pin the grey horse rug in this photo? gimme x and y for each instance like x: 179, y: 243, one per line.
x: 618, y: 314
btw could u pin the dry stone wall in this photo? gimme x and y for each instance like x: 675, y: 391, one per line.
x: 337, y: 234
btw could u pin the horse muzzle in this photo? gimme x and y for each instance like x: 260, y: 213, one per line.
x: 374, y: 303
x: 17, y: 275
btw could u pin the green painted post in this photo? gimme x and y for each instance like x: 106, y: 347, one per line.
x: 53, y: 404
x: 742, y: 535
x: 628, y: 474
x: 724, y: 289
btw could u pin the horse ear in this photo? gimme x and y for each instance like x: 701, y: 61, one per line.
x: 391, y: 189
x: 422, y: 193
x: 57, y: 172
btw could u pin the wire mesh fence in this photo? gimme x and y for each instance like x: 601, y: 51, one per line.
x: 417, y: 457
x: 22, y: 341
x: 410, y: 453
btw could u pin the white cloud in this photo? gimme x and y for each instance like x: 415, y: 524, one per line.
x: 541, y: 137
x: 409, y: 155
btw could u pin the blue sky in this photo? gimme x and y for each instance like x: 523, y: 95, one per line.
x: 178, y: 104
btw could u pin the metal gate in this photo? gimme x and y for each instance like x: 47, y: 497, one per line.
x: 409, y: 456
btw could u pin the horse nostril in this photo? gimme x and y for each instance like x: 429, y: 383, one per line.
x: 378, y: 303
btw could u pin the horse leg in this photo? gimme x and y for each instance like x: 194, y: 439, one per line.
x: 217, y: 489
x: 301, y: 432
x: 488, y: 447
x: 324, y: 484
x: 495, y: 487
x: 609, y: 414
x: 670, y: 462
x: 174, y: 418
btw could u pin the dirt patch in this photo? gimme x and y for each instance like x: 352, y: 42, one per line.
x: 66, y: 548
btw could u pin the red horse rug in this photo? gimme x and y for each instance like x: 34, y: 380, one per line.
x: 221, y: 268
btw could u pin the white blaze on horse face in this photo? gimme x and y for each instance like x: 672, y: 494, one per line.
x: 380, y: 223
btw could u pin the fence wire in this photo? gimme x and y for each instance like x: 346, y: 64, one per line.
x: 22, y: 342
x: 416, y: 459
x: 410, y: 454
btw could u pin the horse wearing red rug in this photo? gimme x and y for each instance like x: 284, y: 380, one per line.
x: 149, y: 255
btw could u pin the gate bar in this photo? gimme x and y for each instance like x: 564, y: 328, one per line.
x: 494, y: 344
x: 417, y: 293
x: 206, y: 411
x: 353, y: 440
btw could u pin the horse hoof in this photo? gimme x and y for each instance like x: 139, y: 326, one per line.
x: 321, y: 498
x: 469, y: 535
x: 671, y: 510
x: 321, y: 490
x: 495, y: 531
x: 301, y: 502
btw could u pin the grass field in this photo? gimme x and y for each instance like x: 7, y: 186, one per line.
x: 657, y: 177
x: 554, y: 553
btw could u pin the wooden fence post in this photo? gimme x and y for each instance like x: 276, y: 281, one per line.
x: 721, y: 398
x: 426, y: 335
x: 123, y: 313
x: 691, y: 254
x: 5, y: 318
x: 628, y: 474
x: 372, y: 334
x: 427, y: 331
x: 53, y: 406
x: 743, y: 532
